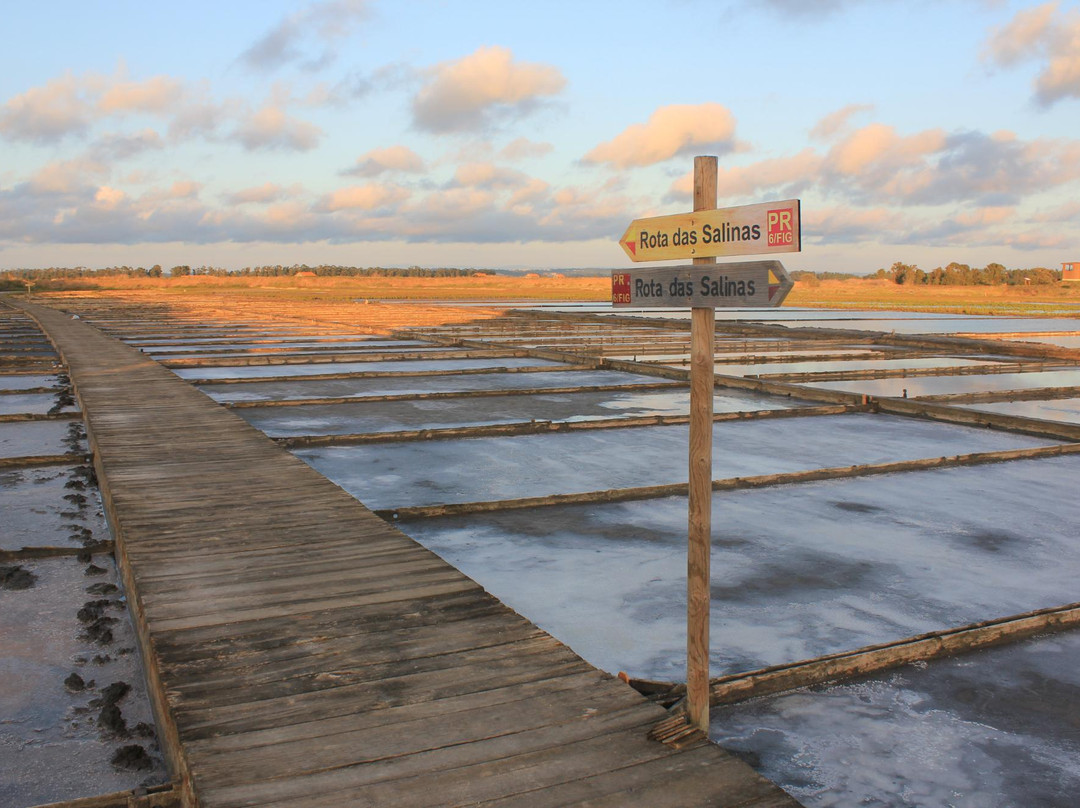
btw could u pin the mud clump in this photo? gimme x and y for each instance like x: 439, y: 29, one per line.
x: 102, y: 589
x: 132, y: 757
x: 99, y: 630
x: 80, y: 533
x: 94, y: 610
x: 16, y: 577
x: 94, y: 569
x: 114, y: 692
x: 111, y: 721
x: 75, y: 683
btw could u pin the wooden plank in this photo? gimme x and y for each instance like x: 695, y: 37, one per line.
x: 873, y: 659
x: 385, y: 374
x: 551, y: 427
x: 31, y: 461
x: 153, y: 797
x: 494, y: 393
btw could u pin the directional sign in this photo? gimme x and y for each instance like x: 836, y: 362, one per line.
x: 743, y: 284
x: 770, y: 227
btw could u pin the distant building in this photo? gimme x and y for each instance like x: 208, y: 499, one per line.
x: 1070, y: 271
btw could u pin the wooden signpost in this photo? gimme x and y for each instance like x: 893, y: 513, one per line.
x: 771, y: 227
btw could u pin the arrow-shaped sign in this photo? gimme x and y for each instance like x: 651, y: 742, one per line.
x: 744, y: 284
x: 769, y: 227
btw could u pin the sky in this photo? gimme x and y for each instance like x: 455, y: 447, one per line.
x: 504, y: 134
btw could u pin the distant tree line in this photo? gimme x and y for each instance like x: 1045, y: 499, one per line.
x: 269, y: 271
x: 954, y: 274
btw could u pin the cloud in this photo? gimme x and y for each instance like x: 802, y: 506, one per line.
x: 876, y: 165
x: 108, y: 198
x: 67, y: 176
x: 812, y: 9
x: 845, y: 225
x: 316, y: 27
x: 273, y: 128
x: 524, y: 149
x: 1022, y: 37
x: 789, y: 176
x: 1045, y: 35
x: 472, y: 92
x: 363, y: 197
x: 679, y: 129
x: 155, y: 95
x: 261, y: 194
x: 391, y: 159
x: 115, y: 146
x: 1069, y: 212
x: 47, y: 114
x: 836, y: 122
x: 72, y: 105
x: 490, y: 176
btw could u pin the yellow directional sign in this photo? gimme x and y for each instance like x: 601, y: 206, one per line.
x: 770, y: 227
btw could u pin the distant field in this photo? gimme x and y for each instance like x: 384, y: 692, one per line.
x: 1059, y: 300
x: 333, y: 301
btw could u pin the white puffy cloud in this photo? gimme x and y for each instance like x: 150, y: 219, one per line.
x: 1049, y: 36
x: 836, y: 122
x: 271, y: 127
x: 524, y: 149
x: 877, y: 165
x: 363, y: 197
x: 46, y: 114
x: 390, y: 159
x: 489, y: 175
x: 263, y: 194
x: 679, y: 129
x: 474, y: 91
x: 157, y: 94
x: 67, y: 176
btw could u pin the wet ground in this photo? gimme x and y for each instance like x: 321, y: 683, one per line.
x: 1059, y: 409
x: 393, y: 475
x: 391, y: 416
x: 993, y: 729
x: 73, y: 705
x: 75, y: 719
x: 798, y: 571
x: 942, y: 385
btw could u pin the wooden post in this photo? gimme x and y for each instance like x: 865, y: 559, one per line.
x: 702, y: 335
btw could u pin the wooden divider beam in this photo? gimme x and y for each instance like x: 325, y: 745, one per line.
x: 870, y: 659
x: 411, y: 513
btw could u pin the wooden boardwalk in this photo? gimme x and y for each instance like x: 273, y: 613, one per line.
x: 302, y: 652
